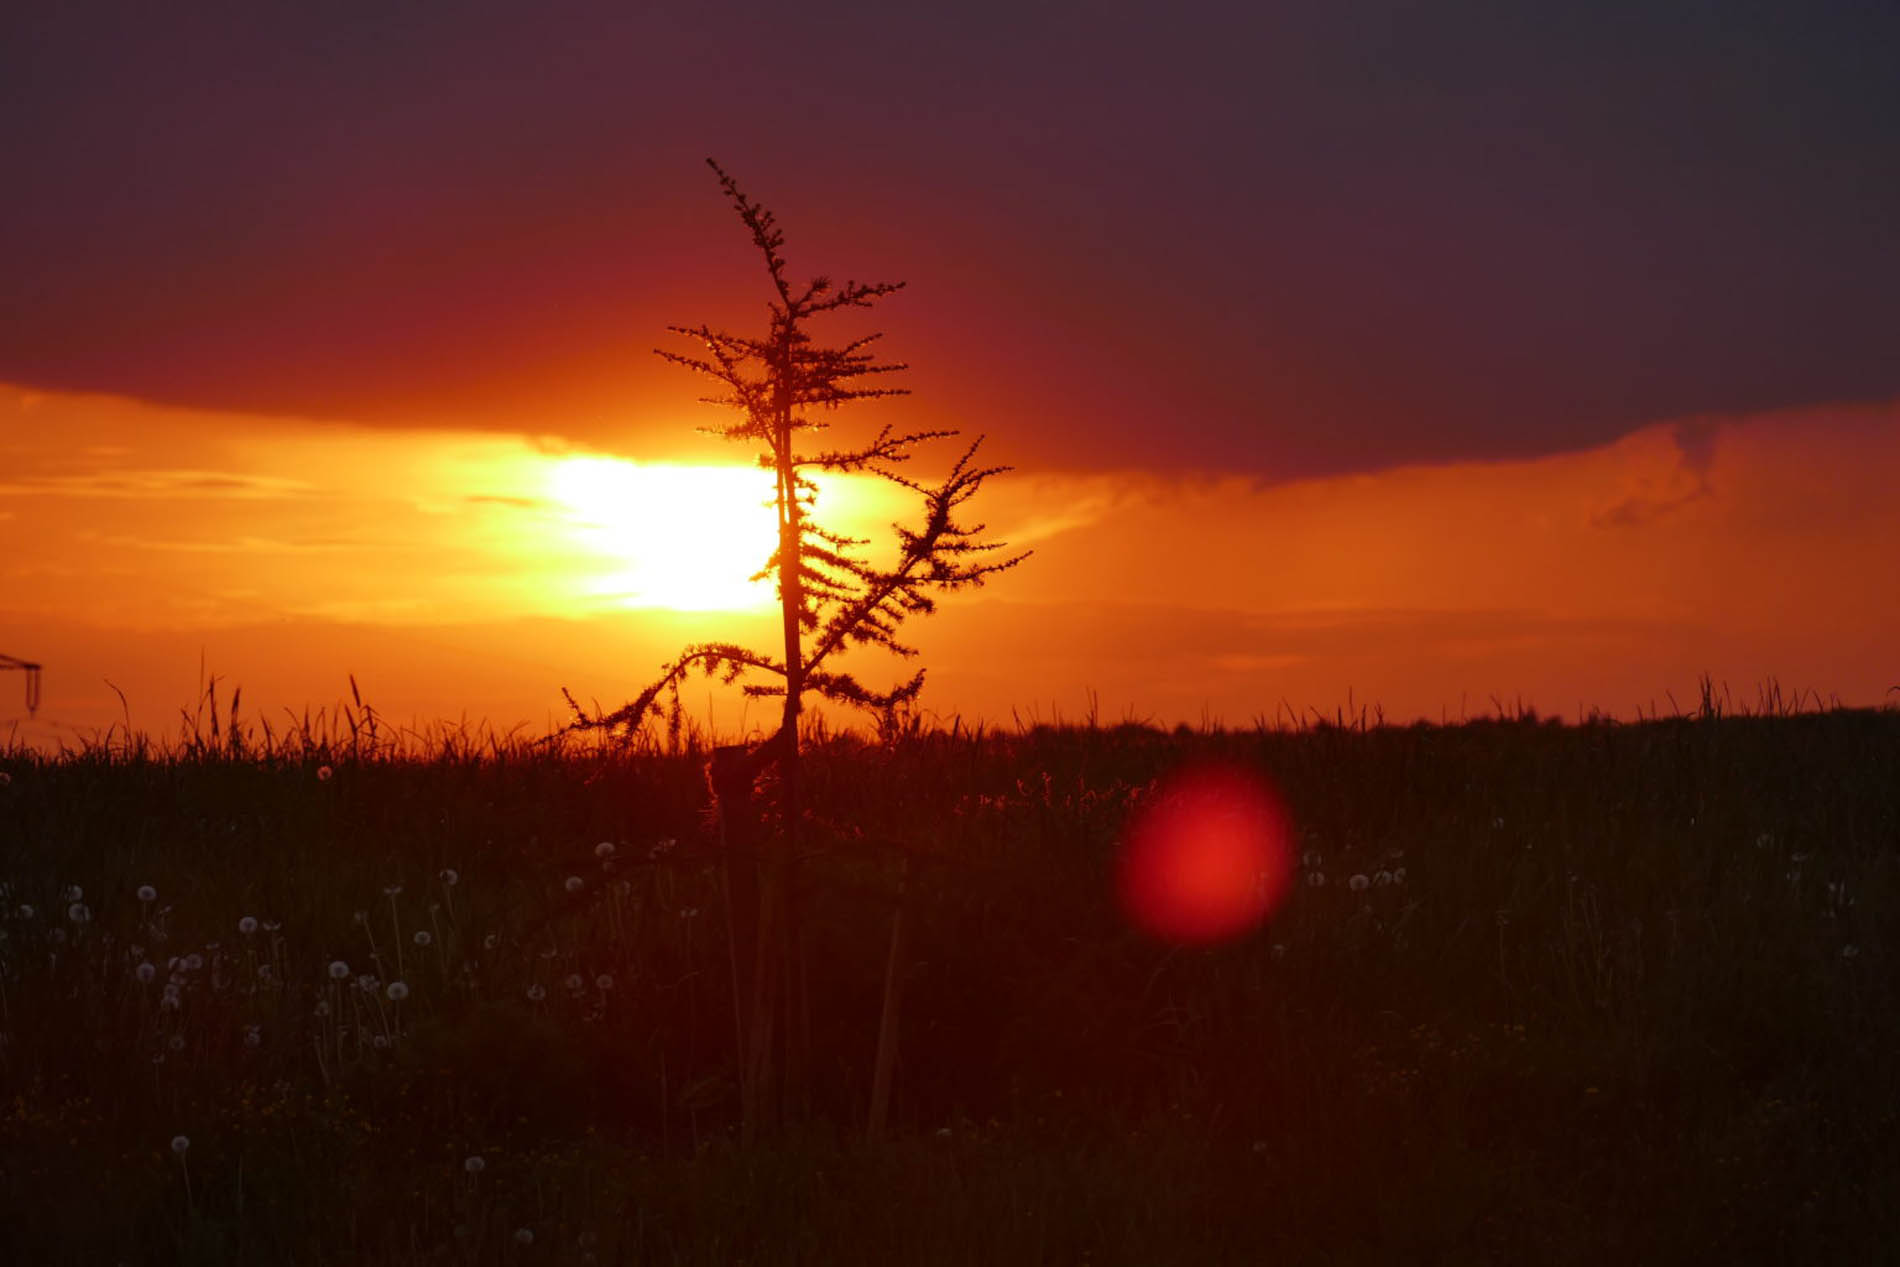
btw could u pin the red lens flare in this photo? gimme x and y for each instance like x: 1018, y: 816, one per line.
x: 1208, y: 857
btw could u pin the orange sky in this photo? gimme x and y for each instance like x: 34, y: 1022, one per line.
x: 475, y: 574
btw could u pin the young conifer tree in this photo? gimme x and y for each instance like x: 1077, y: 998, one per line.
x: 832, y: 597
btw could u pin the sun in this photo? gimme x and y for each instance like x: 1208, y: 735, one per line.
x: 683, y: 537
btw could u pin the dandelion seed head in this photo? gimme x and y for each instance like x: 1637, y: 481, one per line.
x: 1358, y: 883
x: 392, y: 890
x: 1315, y: 879
x: 422, y: 937
x: 146, y: 973
x: 147, y: 893
x: 194, y: 962
x: 574, y: 981
x: 449, y: 877
x: 24, y: 910
x: 1398, y: 875
x: 604, y: 981
x: 475, y: 1165
x: 339, y: 970
x: 537, y: 992
x: 397, y: 991
x: 79, y: 912
x: 247, y: 925
x: 605, y: 849
x: 176, y: 1042
x: 1850, y: 951
x: 181, y: 1144
x: 367, y: 983
x: 324, y: 773
x: 73, y: 893
x: 379, y: 1042
x: 574, y: 884
x: 524, y: 1236
x: 491, y: 941
x: 253, y: 1035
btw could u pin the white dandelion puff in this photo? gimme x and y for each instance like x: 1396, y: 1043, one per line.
x: 397, y: 991
x: 475, y: 1165
x: 574, y: 883
x: 147, y: 893
x: 605, y: 849
x: 1398, y: 875
x: 181, y: 1144
x: 24, y: 910
x: 324, y: 773
x: 73, y: 893
x: 194, y: 962
x: 574, y: 981
x: 146, y: 973
x: 1850, y: 951
x: 604, y: 981
x: 176, y: 1042
x: 537, y: 992
x: 449, y: 876
x: 392, y: 890
x: 422, y: 937
x: 524, y: 1236
x: 491, y: 941
x: 247, y: 925
x: 1358, y: 884
x: 339, y: 970
x: 79, y: 912
x: 1316, y: 879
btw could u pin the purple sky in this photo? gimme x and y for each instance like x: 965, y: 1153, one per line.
x: 1285, y: 239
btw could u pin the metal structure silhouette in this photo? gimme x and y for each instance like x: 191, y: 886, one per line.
x: 32, y: 672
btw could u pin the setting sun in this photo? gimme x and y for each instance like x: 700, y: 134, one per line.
x: 688, y: 538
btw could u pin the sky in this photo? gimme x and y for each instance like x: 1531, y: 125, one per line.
x: 1422, y: 355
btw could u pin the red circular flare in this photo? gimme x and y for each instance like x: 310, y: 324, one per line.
x: 1207, y: 858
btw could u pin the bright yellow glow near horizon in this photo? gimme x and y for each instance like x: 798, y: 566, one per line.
x: 681, y: 537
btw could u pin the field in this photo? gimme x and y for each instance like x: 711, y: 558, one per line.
x: 1540, y: 993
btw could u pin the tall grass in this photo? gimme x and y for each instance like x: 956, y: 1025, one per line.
x: 1604, y: 989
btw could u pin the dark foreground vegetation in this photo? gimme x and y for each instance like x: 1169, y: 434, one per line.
x: 1606, y: 990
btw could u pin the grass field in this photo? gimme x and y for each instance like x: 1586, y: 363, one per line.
x: 1623, y: 990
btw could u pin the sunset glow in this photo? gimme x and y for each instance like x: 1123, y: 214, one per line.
x: 691, y: 538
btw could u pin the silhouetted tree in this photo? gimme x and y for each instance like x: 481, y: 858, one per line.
x: 832, y: 598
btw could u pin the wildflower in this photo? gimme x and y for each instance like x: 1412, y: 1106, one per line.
x: 180, y: 1144
x: 574, y: 981
x: 145, y: 972
x: 524, y: 1236
x: 339, y: 970
x: 573, y: 884
x: 475, y: 1165
x: 323, y: 773
x: 1358, y: 884
x: 147, y: 893
x: 247, y: 925
x: 605, y: 849
x: 74, y: 893
x: 397, y: 992
x: 537, y: 992
x: 448, y: 876
x: 604, y: 981
x: 422, y: 937
x: 79, y: 912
